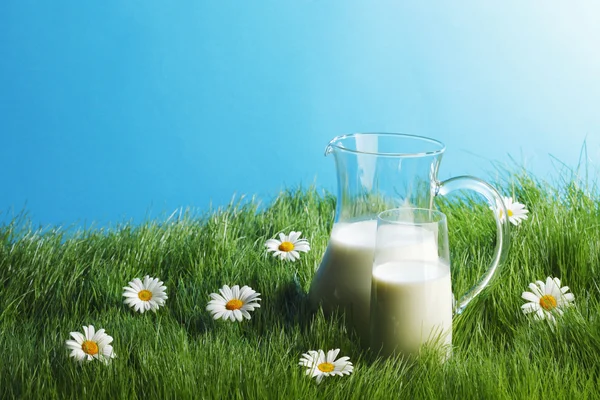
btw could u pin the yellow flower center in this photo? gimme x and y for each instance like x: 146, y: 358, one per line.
x: 548, y: 302
x: 286, y: 246
x: 234, y: 304
x: 89, y: 347
x: 509, y: 212
x: 326, y: 367
x: 145, y: 295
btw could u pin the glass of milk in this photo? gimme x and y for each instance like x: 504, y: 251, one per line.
x: 411, y: 292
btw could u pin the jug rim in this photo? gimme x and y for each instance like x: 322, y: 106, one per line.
x: 332, y: 144
x: 391, y: 215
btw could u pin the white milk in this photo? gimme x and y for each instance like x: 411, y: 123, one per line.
x: 411, y: 304
x: 344, y: 278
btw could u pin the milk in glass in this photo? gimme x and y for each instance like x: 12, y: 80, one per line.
x: 411, y: 305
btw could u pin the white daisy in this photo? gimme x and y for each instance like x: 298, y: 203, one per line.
x: 287, y: 247
x: 233, y: 303
x: 147, y: 295
x: 318, y: 365
x: 91, y: 345
x: 516, y: 211
x: 547, y: 299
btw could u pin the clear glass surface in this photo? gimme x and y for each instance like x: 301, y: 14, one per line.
x: 376, y: 172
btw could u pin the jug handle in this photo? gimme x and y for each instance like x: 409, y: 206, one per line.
x: 503, y: 229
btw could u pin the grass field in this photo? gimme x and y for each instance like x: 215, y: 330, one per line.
x: 53, y: 282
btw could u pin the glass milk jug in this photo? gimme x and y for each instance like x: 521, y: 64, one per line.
x: 376, y: 172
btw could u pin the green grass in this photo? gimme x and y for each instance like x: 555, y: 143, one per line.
x: 52, y: 282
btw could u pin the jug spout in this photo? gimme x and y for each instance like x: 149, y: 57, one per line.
x: 331, y: 146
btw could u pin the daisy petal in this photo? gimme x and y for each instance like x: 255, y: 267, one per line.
x: 294, y: 236
x: 530, y: 307
x: 79, y: 338
x: 569, y: 297
x: 536, y: 289
x: 332, y: 354
x: 530, y: 297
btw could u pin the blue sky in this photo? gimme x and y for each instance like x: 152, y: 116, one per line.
x: 117, y: 110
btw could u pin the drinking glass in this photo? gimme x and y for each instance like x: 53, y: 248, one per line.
x: 411, y: 293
